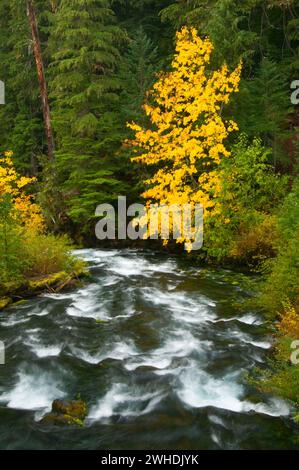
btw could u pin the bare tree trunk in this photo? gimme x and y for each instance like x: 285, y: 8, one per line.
x: 41, y: 78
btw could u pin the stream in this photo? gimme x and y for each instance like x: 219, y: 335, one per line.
x: 159, y: 350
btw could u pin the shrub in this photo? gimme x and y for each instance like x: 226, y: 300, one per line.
x: 282, y: 285
x: 46, y: 254
x: 243, y: 227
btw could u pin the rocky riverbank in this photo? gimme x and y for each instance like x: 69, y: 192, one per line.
x: 17, y: 291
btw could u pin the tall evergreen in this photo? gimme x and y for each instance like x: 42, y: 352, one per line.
x: 84, y: 91
x: 141, y: 63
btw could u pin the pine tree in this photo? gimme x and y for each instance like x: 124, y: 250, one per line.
x: 265, y: 106
x: 137, y: 74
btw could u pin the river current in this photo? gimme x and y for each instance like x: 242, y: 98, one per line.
x: 159, y: 350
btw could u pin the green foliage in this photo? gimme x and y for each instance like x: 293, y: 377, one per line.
x: 11, y: 264
x: 135, y: 14
x: 21, y: 126
x: 28, y: 254
x: 265, y: 102
x: 84, y: 91
x: 282, y: 375
x: 249, y: 194
x: 280, y: 378
x: 283, y: 272
x: 222, y: 20
x: 137, y: 74
x: 47, y: 254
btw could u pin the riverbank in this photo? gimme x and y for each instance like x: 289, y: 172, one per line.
x: 17, y: 291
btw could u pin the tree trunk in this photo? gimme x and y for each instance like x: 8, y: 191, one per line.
x: 41, y: 78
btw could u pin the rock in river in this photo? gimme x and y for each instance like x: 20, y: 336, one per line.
x: 66, y: 412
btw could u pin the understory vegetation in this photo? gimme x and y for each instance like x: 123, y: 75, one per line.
x: 27, y: 252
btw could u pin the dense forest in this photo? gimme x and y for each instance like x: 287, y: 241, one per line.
x: 162, y: 101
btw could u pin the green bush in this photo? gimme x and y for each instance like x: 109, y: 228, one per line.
x: 244, y: 226
x: 47, y: 254
x: 282, y: 273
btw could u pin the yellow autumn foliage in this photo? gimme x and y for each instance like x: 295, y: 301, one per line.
x: 185, y: 142
x: 24, y: 210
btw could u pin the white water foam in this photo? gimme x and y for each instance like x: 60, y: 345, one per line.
x: 86, y: 304
x: 178, y: 345
x: 122, y: 400
x: 248, y: 319
x: 14, y: 320
x: 119, y: 351
x: 33, y: 392
x: 139, y: 266
x: 183, y: 307
x: 95, y: 256
x: 199, y: 389
x: 41, y: 350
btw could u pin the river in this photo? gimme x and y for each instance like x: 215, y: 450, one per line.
x: 158, y: 349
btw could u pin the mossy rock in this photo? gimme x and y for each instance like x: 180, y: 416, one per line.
x: 74, y: 408
x: 66, y: 413
x: 4, y: 302
x: 56, y: 419
x: 18, y: 290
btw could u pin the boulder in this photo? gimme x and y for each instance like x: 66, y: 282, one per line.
x: 66, y: 412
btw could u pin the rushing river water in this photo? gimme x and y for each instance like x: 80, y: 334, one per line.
x: 158, y: 351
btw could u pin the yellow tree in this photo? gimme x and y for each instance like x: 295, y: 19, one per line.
x: 185, y: 141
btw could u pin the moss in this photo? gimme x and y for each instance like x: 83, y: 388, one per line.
x: 74, y: 408
x: 20, y: 302
x: 11, y: 286
x: 66, y: 413
x: 4, y: 302
x: 57, y: 419
x: 55, y: 282
x: 80, y: 269
x: 48, y: 281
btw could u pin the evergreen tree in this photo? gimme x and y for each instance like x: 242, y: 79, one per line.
x: 137, y: 74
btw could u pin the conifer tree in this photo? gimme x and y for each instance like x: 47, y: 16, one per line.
x: 138, y: 74
x: 84, y: 46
